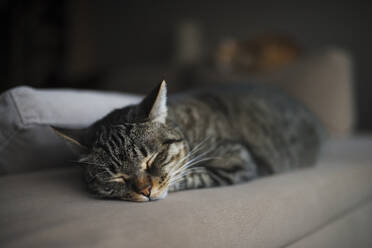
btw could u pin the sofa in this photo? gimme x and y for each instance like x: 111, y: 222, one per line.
x: 44, y: 201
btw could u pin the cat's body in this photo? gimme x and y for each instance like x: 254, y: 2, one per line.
x: 254, y: 129
x: 195, y: 140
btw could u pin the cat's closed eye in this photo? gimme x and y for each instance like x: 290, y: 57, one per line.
x: 171, y: 141
x: 120, y: 178
x: 150, y: 162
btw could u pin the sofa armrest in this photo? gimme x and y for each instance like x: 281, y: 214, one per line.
x: 27, y: 113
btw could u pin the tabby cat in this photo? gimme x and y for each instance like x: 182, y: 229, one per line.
x: 200, y: 139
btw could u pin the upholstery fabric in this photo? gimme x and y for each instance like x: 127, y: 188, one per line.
x: 27, y: 143
x: 323, y: 80
x: 351, y: 230
x: 317, y: 206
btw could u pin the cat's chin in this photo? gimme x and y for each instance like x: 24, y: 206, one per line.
x: 153, y: 197
x: 159, y: 196
x: 140, y: 198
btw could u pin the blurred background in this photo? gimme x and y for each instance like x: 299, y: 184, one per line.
x: 132, y: 45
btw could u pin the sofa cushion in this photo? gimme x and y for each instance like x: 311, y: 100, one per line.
x: 322, y: 80
x: 27, y: 143
x: 53, y: 209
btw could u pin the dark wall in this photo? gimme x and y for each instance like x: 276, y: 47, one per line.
x: 102, y: 36
x: 314, y: 23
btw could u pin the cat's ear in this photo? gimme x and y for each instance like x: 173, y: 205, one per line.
x: 154, y: 106
x: 75, y: 136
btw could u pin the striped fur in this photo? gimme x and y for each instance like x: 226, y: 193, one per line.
x: 196, y: 140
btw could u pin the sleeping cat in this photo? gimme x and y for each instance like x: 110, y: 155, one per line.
x: 200, y: 139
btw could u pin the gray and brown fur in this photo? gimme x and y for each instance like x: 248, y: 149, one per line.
x: 195, y: 140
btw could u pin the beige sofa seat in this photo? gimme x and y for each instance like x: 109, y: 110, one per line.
x: 329, y: 205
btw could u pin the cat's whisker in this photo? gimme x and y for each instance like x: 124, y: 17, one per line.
x: 200, y: 144
x: 194, y: 160
x: 110, y: 172
x: 199, y: 161
x: 181, y: 163
x: 188, y: 165
x: 181, y: 177
x: 197, y: 148
x: 82, y: 162
x: 89, y: 163
x: 186, y: 170
x: 76, y: 162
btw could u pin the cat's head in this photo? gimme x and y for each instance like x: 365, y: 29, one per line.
x: 133, y: 153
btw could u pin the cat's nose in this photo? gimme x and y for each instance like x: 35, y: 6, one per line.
x: 143, y: 185
x: 146, y: 191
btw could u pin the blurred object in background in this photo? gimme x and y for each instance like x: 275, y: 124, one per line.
x: 131, y: 45
x: 323, y: 80
x: 261, y: 54
x: 188, y: 43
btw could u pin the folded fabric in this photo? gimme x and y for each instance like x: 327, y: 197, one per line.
x: 27, y: 143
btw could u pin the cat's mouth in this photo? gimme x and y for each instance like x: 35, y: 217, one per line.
x: 153, y: 197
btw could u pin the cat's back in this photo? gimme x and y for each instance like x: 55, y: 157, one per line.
x: 275, y: 127
x: 240, y: 102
